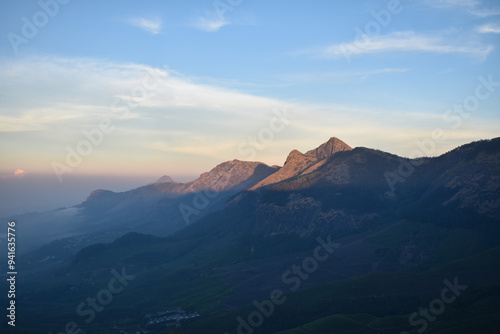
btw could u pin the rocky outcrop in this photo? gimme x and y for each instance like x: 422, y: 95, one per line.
x: 329, y: 148
x: 298, y: 163
x: 230, y: 175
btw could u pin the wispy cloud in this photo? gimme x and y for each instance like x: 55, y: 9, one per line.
x: 473, y: 7
x: 174, y: 116
x: 489, y: 29
x: 453, y: 3
x: 152, y: 26
x: 485, y: 12
x: 340, y: 77
x: 213, y: 21
x: 446, y: 71
x: 402, y: 42
x: 210, y: 23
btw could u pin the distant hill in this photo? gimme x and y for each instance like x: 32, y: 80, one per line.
x: 165, y: 179
x: 160, y: 208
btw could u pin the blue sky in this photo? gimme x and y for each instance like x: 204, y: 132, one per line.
x: 185, y: 85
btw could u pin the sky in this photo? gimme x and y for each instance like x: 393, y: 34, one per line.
x: 140, y: 89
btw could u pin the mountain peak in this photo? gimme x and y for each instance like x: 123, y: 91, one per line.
x: 231, y: 175
x: 292, y: 156
x: 98, y: 193
x: 295, y: 164
x: 333, y: 145
x: 164, y: 179
x: 298, y: 163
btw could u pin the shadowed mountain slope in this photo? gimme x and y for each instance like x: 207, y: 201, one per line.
x: 155, y: 208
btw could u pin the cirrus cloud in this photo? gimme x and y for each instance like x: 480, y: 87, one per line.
x: 405, y: 41
x: 489, y: 29
x: 210, y: 24
x: 152, y: 26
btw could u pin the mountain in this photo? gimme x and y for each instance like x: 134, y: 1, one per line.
x: 332, y: 146
x: 295, y: 164
x: 347, y: 192
x: 163, y: 207
x: 466, y: 178
x: 351, y: 190
x: 160, y: 208
x: 353, y: 241
x: 233, y: 175
x: 164, y: 179
x: 301, y: 164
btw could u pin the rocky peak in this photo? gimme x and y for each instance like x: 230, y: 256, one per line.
x: 298, y: 163
x: 294, y: 156
x: 233, y: 174
x: 333, y: 145
x: 295, y: 164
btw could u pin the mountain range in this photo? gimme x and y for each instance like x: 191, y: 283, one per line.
x: 390, y: 231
